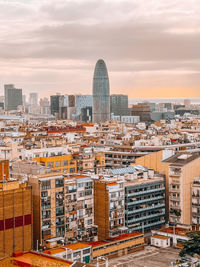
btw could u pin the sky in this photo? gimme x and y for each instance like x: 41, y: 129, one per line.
x: 151, y: 47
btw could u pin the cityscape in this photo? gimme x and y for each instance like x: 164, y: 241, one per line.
x: 109, y: 177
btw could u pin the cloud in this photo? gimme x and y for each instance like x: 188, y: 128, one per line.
x: 62, y: 39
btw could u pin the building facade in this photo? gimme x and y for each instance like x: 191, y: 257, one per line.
x: 119, y: 105
x: 101, y: 93
x: 13, y: 97
x: 15, y: 217
x: 145, y: 202
x: 109, y: 208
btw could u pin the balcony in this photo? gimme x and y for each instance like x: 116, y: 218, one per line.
x: 145, y: 209
x: 46, y: 207
x: 146, y: 192
x: 175, y: 172
x: 133, y: 221
x: 149, y: 225
x: 145, y: 200
x: 195, y: 204
x: 195, y: 195
x: 71, y: 191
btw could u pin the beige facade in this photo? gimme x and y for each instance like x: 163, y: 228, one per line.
x: 182, y: 171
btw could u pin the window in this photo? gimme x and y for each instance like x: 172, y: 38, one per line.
x: 65, y: 162
x: 50, y: 164
x: 57, y: 164
x: 72, y: 170
x: 89, y: 222
x: 46, y: 185
x: 59, y: 182
x: 86, y: 251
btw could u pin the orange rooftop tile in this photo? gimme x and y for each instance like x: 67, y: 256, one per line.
x: 54, y: 251
x: 112, y: 183
x: 39, y: 260
x: 120, y: 237
x: 77, y: 176
x: 76, y: 246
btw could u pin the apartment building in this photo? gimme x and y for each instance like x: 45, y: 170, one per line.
x: 63, y: 207
x: 15, y: 215
x: 79, y: 208
x: 48, y: 209
x: 183, y: 169
x: 88, y: 160
x: 109, y: 207
x: 144, y: 201
x: 118, y: 159
x: 64, y: 163
x: 195, y: 194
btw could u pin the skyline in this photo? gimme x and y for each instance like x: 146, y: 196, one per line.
x: 156, y: 55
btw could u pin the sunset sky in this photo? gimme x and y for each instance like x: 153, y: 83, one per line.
x: 151, y: 47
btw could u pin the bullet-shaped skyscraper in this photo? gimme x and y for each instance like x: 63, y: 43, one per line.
x: 101, y: 93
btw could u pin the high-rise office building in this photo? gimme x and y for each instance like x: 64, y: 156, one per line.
x: 81, y: 101
x: 101, y: 93
x: 33, y: 99
x: 13, y: 97
x: 54, y: 104
x: 119, y: 105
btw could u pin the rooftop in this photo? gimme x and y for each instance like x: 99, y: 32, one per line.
x: 114, y: 239
x: 77, y: 245
x: 39, y: 260
x: 182, y: 159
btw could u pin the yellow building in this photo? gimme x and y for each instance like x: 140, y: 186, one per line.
x: 64, y: 163
x: 15, y: 217
x: 118, y: 246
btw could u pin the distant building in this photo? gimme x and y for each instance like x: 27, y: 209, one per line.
x: 159, y: 115
x: 86, y: 114
x: 119, y: 105
x: 187, y: 103
x: 13, y: 97
x: 101, y: 93
x: 2, y: 105
x: 54, y: 104
x: 33, y: 99
x: 130, y: 119
x: 81, y: 101
x: 44, y: 106
x: 24, y: 100
x: 150, y: 104
x: 143, y: 111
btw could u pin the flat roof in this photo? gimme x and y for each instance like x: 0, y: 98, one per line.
x: 176, y: 230
x: 113, y: 239
x: 77, y: 245
x: 54, y: 251
x: 179, y: 160
x: 40, y: 259
x: 77, y: 176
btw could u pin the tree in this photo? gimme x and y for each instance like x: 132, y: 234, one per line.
x: 191, y: 246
